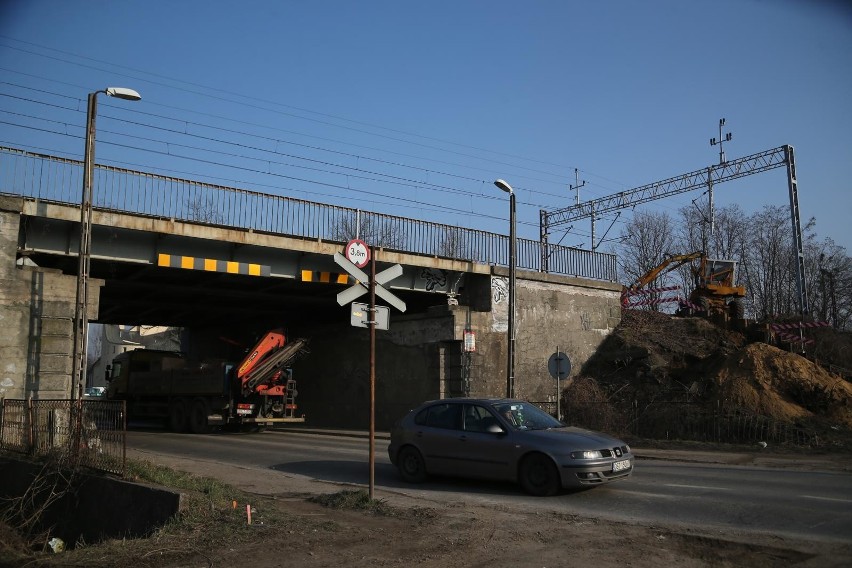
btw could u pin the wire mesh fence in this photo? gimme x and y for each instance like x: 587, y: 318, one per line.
x: 90, y: 433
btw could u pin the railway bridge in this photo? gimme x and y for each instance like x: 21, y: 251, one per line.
x: 225, y: 264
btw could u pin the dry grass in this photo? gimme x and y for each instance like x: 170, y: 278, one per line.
x: 207, y: 520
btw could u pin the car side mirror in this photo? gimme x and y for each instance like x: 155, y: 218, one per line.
x: 495, y: 429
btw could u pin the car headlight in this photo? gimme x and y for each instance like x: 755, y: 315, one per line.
x: 587, y: 455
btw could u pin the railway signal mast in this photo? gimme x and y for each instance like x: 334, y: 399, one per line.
x: 713, y: 142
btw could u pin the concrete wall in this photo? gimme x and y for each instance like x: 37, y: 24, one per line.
x: 334, y: 379
x: 36, y: 319
x: 134, y: 510
x: 573, y: 314
x: 421, y: 357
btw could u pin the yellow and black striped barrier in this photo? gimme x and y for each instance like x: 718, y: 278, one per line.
x: 326, y: 277
x: 212, y: 265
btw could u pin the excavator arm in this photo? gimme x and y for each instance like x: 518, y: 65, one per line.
x: 668, y: 264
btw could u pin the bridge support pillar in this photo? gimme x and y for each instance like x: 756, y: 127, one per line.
x: 36, y: 318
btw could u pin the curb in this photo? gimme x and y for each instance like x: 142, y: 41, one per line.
x: 738, y: 458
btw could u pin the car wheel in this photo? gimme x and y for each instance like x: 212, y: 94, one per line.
x: 198, y: 417
x: 177, y: 415
x: 412, y: 468
x: 539, y: 476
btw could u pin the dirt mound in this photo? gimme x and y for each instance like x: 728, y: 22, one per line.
x: 768, y: 381
x: 662, y: 352
x: 662, y: 369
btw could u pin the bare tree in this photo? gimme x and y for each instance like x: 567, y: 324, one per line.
x: 204, y: 210
x: 645, y: 242
x: 372, y: 229
x: 730, y: 230
x: 831, y: 293
x: 767, y: 256
x: 455, y: 245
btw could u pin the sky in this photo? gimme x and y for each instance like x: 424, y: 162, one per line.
x: 415, y: 108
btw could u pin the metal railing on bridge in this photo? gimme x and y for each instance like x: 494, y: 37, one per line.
x: 55, y: 179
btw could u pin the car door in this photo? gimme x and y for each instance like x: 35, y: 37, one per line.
x: 437, y: 438
x: 480, y: 449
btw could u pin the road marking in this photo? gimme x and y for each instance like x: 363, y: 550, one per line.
x: 698, y: 487
x: 644, y: 493
x: 826, y: 498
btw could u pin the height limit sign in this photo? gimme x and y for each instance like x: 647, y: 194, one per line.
x: 357, y: 252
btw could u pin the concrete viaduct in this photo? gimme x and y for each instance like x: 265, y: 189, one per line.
x: 228, y: 264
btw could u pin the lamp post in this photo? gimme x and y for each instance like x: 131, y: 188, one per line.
x: 81, y: 320
x: 510, y: 357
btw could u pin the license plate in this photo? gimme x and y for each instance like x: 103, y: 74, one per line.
x: 621, y: 465
x: 243, y: 412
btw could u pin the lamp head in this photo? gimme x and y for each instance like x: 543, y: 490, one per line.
x: 123, y: 93
x: 504, y: 186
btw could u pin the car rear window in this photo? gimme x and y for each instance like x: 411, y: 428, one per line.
x: 441, y: 416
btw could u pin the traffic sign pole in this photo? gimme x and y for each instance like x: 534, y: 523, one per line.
x: 357, y: 256
x: 558, y: 393
x: 372, y: 324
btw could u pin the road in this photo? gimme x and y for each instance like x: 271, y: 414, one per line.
x: 783, y: 502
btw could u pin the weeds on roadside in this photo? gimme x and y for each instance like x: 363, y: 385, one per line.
x: 359, y: 500
x: 354, y: 500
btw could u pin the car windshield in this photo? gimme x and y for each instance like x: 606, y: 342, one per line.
x: 526, y: 416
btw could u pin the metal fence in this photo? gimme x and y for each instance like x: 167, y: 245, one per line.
x: 90, y: 433
x: 55, y: 179
x: 687, y: 421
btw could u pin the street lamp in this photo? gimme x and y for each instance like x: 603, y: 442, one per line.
x: 510, y: 357
x: 81, y: 320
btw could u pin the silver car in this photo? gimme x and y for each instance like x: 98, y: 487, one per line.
x: 504, y: 439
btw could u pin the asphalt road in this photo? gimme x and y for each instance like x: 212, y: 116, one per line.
x: 813, y: 505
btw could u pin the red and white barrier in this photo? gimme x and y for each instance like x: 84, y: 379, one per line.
x: 646, y: 291
x: 798, y: 325
x: 688, y: 304
x: 652, y: 302
x: 790, y: 338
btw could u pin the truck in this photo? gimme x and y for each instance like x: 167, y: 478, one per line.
x: 251, y: 394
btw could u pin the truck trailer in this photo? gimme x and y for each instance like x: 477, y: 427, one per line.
x: 256, y: 392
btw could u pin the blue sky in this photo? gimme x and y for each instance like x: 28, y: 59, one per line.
x: 414, y: 108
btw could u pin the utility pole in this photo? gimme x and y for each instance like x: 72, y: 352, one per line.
x: 577, y: 185
x: 713, y: 142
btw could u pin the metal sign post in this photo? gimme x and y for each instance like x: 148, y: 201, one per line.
x: 559, y: 366
x: 372, y: 324
x: 356, y: 253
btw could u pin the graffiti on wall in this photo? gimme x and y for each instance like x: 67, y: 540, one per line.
x: 499, y: 304
x: 435, y: 278
x: 500, y: 290
x: 586, y: 321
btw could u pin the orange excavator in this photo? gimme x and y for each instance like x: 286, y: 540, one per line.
x: 715, y: 292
